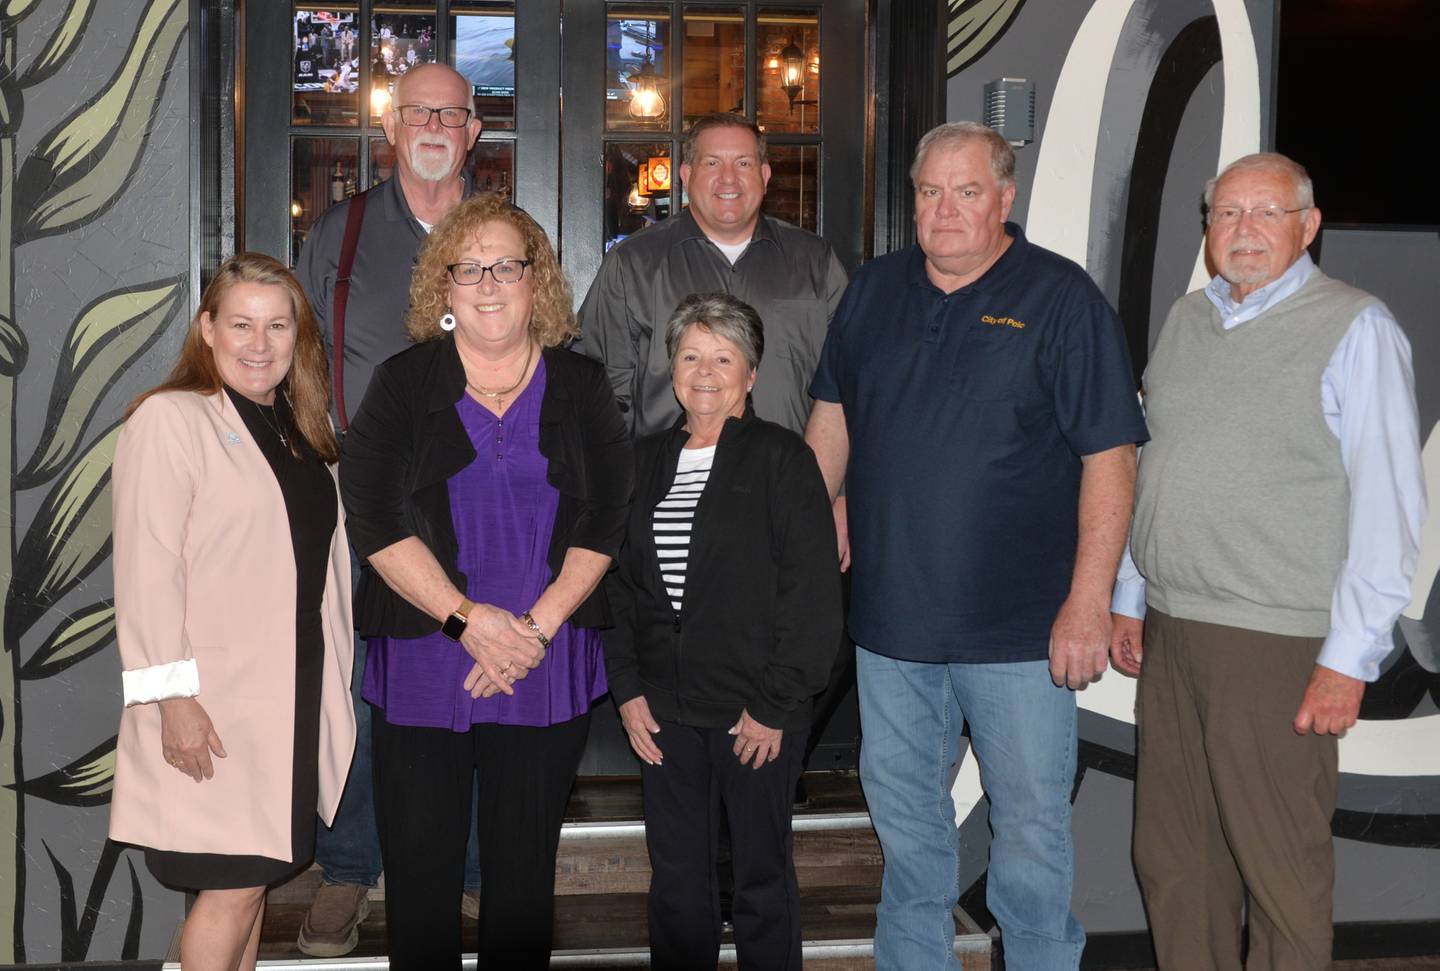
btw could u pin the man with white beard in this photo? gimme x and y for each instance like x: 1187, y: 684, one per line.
x: 431, y: 126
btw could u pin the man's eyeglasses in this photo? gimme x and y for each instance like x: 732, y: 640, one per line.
x: 417, y: 116
x: 1264, y: 215
x: 504, y: 271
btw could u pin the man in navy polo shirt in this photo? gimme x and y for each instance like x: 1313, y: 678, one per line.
x: 975, y: 398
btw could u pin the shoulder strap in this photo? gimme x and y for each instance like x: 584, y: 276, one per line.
x: 353, y: 221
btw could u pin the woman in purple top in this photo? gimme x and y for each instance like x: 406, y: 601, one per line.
x: 486, y: 477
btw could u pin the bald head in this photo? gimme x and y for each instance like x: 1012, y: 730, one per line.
x: 430, y: 152
x: 433, y: 78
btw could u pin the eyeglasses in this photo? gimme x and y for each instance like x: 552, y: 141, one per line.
x: 417, y: 116
x: 1264, y: 215
x: 504, y: 271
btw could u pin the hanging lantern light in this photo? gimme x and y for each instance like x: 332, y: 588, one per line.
x: 792, y: 72
x: 647, y: 100
x: 635, y: 200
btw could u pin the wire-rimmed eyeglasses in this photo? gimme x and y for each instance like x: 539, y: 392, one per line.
x: 1264, y: 215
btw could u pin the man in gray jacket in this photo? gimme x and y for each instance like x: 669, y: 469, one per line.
x: 1277, y: 519
x: 720, y: 243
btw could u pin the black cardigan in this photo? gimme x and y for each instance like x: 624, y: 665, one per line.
x: 407, y: 440
x: 761, y: 621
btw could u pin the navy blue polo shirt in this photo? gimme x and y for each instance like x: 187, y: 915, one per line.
x: 968, y: 414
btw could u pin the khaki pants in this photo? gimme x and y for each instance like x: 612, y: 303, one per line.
x: 1229, y: 801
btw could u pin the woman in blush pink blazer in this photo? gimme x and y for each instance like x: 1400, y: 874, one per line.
x: 232, y: 600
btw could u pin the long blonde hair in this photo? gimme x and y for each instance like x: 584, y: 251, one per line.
x: 307, y: 385
x: 552, y: 317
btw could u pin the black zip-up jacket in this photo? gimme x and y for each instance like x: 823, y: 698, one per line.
x: 407, y: 440
x: 761, y: 618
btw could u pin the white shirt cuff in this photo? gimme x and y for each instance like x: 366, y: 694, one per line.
x: 161, y: 682
x: 1352, y: 656
x: 1128, y: 598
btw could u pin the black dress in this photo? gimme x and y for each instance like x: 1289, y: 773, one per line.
x: 310, y: 506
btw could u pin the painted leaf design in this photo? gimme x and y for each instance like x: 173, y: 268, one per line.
x: 62, y: 43
x: 975, y: 25
x: 13, y: 348
x: 107, y: 337
x: 80, y: 168
x: 80, y: 636
x: 69, y: 537
x: 85, y: 782
x: 16, y: 9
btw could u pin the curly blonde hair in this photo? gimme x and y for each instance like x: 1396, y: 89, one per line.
x: 552, y: 320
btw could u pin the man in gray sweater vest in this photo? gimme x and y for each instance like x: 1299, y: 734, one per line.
x: 1277, y: 516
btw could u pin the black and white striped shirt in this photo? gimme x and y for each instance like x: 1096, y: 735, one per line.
x: 674, y: 516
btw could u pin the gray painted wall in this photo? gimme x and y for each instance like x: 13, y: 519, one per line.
x: 124, y: 229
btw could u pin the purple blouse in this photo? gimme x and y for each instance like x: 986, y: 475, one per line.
x: 504, y: 513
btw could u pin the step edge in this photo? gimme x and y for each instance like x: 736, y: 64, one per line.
x: 817, y: 823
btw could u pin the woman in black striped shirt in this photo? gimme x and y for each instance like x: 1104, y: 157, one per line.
x: 727, y: 604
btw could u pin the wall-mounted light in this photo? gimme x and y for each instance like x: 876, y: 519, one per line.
x: 296, y: 210
x: 792, y: 72
x: 1008, y: 106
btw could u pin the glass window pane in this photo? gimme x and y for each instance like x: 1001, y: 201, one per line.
x: 482, y: 48
x: 637, y: 68
x: 323, y: 171
x: 492, y: 164
x: 401, y: 36
x: 714, y: 68
x: 326, y: 67
x: 638, y: 176
x: 794, y: 191
x: 787, y: 61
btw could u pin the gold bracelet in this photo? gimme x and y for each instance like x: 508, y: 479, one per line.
x: 535, y: 629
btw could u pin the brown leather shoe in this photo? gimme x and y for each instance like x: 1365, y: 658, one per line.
x: 331, y: 928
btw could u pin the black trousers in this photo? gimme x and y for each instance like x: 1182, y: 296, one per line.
x: 684, y: 797
x: 423, y: 796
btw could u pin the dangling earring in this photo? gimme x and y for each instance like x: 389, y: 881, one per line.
x: 447, y: 322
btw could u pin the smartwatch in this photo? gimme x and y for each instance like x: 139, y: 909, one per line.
x: 454, y: 625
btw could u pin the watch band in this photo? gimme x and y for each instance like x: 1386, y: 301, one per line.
x: 454, y: 625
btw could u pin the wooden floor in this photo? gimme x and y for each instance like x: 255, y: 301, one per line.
x: 602, y: 876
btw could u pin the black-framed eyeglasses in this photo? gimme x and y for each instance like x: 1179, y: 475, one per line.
x: 1264, y: 215
x: 418, y: 116
x: 504, y: 271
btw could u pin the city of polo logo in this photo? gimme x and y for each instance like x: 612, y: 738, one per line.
x: 1002, y: 322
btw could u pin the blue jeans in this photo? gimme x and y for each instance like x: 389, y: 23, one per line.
x: 349, y: 850
x: 1022, y: 730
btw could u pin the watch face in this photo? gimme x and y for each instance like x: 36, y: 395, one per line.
x: 453, y: 627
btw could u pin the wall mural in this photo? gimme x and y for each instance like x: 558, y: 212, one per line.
x: 1389, y: 761
x: 84, y: 161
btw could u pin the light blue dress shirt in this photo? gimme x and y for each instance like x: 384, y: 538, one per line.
x: 1367, y: 394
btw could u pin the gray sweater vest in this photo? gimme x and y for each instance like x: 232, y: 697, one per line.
x: 1242, y: 504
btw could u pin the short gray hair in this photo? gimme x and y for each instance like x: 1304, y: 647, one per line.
x: 1304, y: 188
x: 722, y: 315
x: 957, y: 133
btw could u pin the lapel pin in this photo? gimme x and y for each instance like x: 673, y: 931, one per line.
x: 232, y: 438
